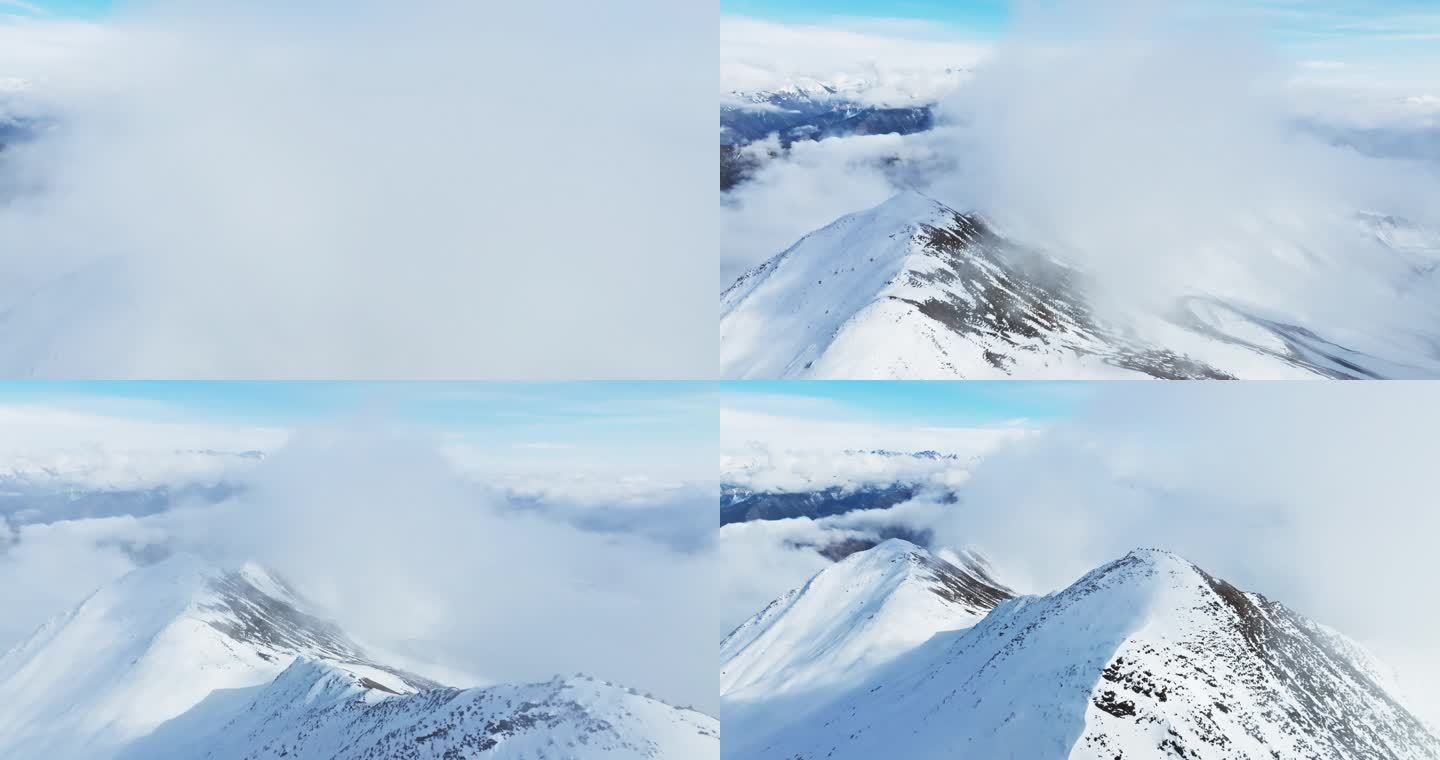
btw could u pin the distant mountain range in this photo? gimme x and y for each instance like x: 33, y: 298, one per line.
x: 810, y: 110
x: 96, y: 482
x: 740, y: 504
x: 741, y: 501
x: 894, y: 652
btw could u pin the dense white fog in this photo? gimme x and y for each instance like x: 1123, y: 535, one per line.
x: 359, y: 190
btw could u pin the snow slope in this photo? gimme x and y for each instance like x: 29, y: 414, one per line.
x: 912, y: 289
x: 186, y: 659
x: 844, y: 625
x: 150, y: 647
x: 1145, y: 657
x: 320, y: 711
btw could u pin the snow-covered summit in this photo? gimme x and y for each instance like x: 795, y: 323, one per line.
x: 184, y: 658
x: 1146, y: 656
x: 316, y: 710
x: 779, y: 319
x: 913, y: 289
x: 853, y: 617
x: 152, y: 645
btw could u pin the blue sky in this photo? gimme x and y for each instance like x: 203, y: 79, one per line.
x: 615, y: 416
x: 977, y: 16
x: 967, y: 403
x: 1342, y: 29
x: 1317, y: 16
x: 71, y: 8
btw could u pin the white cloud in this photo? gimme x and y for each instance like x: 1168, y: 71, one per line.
x: 410, y: 553
x: 363, y: 189
x: 811, y: 185
x: 46, y: 569
x: 1313, y: 494
x: 761, y: 562
x: 1160, y: 151
x: 800, y: 444
x: 763, y: 559
x: 98, y: 449
x: 381, y: 530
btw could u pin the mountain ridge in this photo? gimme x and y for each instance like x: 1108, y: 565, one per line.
x: 1145, y: 656
x: 185, y: 658
x: 913, y: 289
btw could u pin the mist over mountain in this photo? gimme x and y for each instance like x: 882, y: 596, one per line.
x: 345, y: 570
x: 1158, y: 194
x: 183, y: 658
x: 915, y: 289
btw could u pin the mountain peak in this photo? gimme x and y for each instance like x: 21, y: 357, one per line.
x: 185, y: 658
x: 780, y: 317
x: 890, y: 547
x: 1158, y: 560
x: 912, y: 289
x: 316, y: 709
x: 911, y: 202
x: 1144, y: 654
x: 155, y: 643
x: 853, y: 617
x: 1152, y: 555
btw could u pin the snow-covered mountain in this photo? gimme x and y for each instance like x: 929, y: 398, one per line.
x: 772, y: 119
x: 741, y: 504
x: 805, y: 114
x: 1145, y: 657
x: 758, y: 471
x: 185, y: 659
x: 322, y: 711
x: 893, y: 89
x: 913, y: 289
x: 852, y: 618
